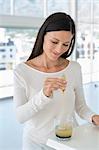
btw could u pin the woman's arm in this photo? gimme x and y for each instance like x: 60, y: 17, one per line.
x: 25, y: 108
x: 81, y: 107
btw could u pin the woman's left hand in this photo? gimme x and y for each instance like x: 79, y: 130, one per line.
x: 95, y: 120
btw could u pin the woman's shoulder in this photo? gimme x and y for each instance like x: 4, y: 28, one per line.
x: 75, y: 64
x: 19, y: 68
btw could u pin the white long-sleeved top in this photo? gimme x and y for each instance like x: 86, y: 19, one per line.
x: 38, y: 111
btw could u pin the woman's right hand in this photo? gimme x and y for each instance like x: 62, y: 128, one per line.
x: 52, y: 84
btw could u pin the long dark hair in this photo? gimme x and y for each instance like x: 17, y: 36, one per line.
x: 55, y: 22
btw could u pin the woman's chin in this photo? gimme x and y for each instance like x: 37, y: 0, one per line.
x: 54, y: 57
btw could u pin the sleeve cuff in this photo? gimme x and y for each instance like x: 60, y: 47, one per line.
x: 43, y: 97
x: 90, y: 117
x: 40, y: 100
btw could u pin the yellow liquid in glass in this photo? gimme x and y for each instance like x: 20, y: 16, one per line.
x: 63, y: 132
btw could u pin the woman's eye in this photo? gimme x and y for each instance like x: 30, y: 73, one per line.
x: 54, y: 42
x: 65, y: 45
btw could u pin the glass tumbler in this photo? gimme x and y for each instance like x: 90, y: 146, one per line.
x: 64, y: 128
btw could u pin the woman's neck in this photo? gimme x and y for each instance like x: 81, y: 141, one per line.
x: 47, y: 63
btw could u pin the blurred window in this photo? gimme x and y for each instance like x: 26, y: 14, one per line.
x: 15, y: 47
x: 88, y: 39
x: 57, y: 5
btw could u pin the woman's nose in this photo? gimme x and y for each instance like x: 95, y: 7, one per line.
x: 59, y: 48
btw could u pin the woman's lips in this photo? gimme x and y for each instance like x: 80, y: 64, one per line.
x: 56, y: 54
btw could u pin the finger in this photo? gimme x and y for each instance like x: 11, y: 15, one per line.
x: 56, y: 80
x: 60, y: 83
x: 56, y: 85
x: 52, y: 86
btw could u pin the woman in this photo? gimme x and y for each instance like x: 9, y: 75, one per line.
x: 40, y: 92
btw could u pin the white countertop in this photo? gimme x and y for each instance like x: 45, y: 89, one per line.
x: 85, y: 137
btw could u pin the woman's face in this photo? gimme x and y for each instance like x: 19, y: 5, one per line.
x: 56, y: 43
